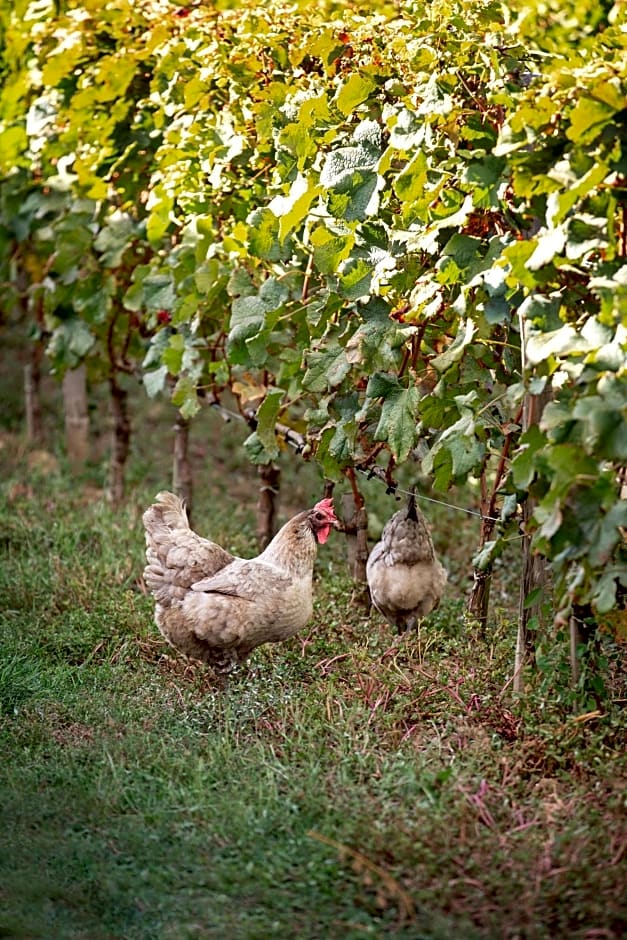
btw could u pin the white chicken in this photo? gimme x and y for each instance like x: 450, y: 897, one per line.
x: 217, y: 607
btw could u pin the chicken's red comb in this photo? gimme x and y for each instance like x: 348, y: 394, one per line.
x: 326, y: 506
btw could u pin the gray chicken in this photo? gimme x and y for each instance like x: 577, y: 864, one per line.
x: 405, y: 578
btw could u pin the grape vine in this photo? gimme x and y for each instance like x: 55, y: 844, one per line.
x: 384, y: 232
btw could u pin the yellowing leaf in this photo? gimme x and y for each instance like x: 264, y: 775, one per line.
x: 293, y: 208
x: 410, y: 183
x: 610, y: 93
x: 248, y: 391
x: 160, y: 205
x: 12, y: 142
x: 353, y: 92
x: 587, y: 114
x: 560, y: 204
x: 330, y: 250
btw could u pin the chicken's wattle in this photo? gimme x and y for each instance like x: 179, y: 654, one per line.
x: 325, y: 508
x: 323, y: 534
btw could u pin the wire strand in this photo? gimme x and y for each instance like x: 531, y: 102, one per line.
x: 227, y: 414
x: 442, y: 502
x: 430, y: 499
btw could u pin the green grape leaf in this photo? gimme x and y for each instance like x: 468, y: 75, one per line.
x: 399, y: 410
x: 325, y: 368
x: 267, y: 414
x: 155, y: 381
x: 455, y: 351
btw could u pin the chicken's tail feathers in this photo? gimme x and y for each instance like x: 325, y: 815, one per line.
x: 165, y: 523
x: 167, y: 510
x: 176, y: 557
x: 412, y: 512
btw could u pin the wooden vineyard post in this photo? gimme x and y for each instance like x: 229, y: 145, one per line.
x: 479, y: 601
x: 182, y: 479
x: 76, y: 416
x: 32, y: 376
x: 534, y: 568
x: 32, y: 399
x: 582, y: 630
x: 355, y: 526
x: 121, y: 439
x: 269, y: 476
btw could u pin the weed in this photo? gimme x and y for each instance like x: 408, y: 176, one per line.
x: 20, y: 681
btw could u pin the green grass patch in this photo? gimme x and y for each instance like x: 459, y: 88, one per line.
x: 346, y: 784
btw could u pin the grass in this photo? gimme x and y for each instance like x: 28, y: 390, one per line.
x: 346, y: 785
